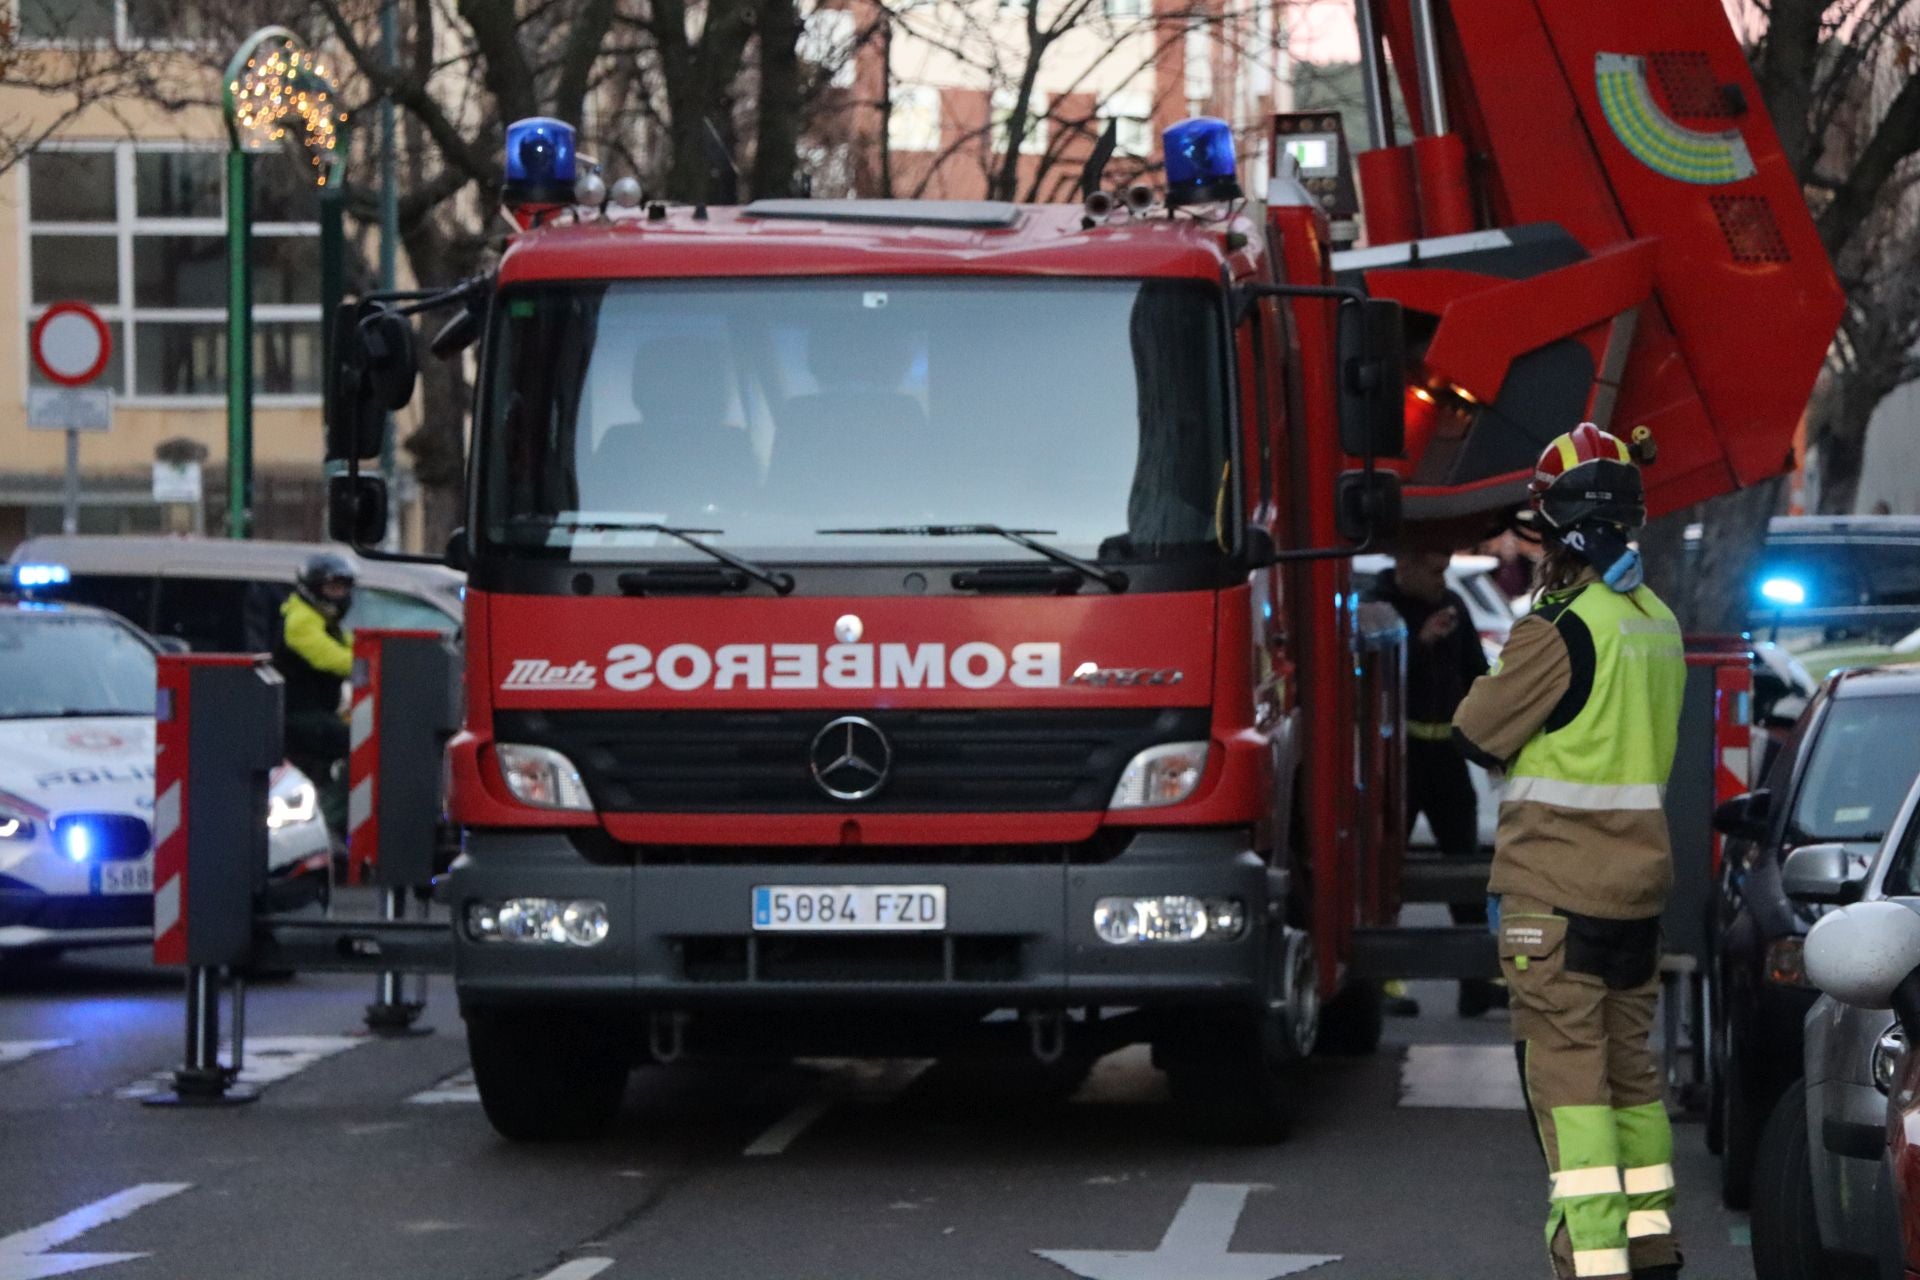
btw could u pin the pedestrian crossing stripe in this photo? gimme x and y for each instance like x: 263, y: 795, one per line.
x: 269, y: 1060
x: 1465, y: 1076
x: 12, y: 1051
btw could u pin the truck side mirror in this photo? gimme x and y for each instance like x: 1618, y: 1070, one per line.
x: 357, y: 509
x: 1748, y: 816
x: 373, y: 373
x: 1823, y: 873
x: 1373, y: 390
x: 1366, y: 505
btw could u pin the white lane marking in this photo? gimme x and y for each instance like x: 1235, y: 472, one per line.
x: 1195, y: 1246
x: 458, y: 1087
x: 1475, y: 1076
x: 12, y: 1051
x: 24, y: 1256
x: 846, y: 1080
x: 790, y: 1126
x: 269, y: 1060
x: 579, y: 1269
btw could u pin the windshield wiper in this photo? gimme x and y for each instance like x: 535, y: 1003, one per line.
x: 1111, y: 579
x: 782, y: 583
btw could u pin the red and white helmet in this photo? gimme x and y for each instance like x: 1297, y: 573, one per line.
x: 1588, y: 474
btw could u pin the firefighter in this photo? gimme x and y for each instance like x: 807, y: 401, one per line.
x: 1582, y: 711
x: 314, y: 655
x: 1443, y: 659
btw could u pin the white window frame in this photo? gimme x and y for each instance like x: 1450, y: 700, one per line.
x: 923, y: 93
x: 1000, y: 110
x: 1131, y: 110
x: 1125, y: 10
x: 126, y: 224
x: 827, y: 39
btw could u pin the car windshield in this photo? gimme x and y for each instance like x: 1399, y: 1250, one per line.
x: 54, y: 664
x: 1092, y: 412
x: 1864, y: 759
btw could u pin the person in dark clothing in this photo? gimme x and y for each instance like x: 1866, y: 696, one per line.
x: 314, y: 655
x: 1444, y: 658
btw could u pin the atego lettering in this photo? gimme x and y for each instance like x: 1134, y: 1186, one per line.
x: 687, y: 667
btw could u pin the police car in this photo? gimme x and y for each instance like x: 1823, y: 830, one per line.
x: 76, y: 785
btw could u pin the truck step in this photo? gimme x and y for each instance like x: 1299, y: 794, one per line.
x: 1432, y: 878
x: 1443, y: 951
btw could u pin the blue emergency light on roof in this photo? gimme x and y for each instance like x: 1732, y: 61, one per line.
x: 1200, y: 162
x: 541, y: 165
x: 28, y: 576
x: 1783, y: 591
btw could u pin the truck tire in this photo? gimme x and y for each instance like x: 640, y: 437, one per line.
x: 1351, y: 1023
x: 1230, y: 1086
x: 546, y: 1077
x: 1786, y: 1235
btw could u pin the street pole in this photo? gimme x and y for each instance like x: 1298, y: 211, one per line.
x: 70, y: 515
x: 276, y: 92
x: 389, y: 226
x: 239, y: 345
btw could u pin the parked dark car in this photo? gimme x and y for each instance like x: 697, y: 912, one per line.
x: 1840, y: 779
x: 1825, y: 579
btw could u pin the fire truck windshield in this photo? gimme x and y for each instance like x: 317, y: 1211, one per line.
x: 770, y: 410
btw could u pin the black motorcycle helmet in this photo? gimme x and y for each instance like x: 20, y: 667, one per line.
x: 325, y: 570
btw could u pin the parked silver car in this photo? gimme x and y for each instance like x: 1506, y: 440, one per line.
x: 1823, y: 1200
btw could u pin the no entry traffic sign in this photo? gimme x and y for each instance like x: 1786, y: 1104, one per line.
x: 71, y: 344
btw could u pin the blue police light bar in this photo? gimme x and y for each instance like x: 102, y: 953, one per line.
x: 1200, y: 162
x: 28, y: 576
x: 77, y: 841
x: 1783, y: 591
x: 541, y: 165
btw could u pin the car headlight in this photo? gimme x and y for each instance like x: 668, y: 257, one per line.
x: 294, y: 799
x: 1162, y: 775
x: 15, y: 826
x: 1886, y: 1058
x: 541, y: 777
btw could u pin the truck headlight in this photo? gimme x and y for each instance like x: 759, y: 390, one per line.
x: 1886, y: 1058
x: 541, y: 777
x: 292, y: 801
x: 1168, y: 917
x: 1162, y: 775
x: 579, y: 922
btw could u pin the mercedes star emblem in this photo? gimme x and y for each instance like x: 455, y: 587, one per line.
x: 850, y: 758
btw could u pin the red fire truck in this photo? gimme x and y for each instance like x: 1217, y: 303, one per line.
x: 897, y: 624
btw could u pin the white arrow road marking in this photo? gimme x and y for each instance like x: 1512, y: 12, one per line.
x: 1461, y: 1075
x: 24, y: 1256
x: 579, y: 1269
x: 1194, y: 1248
x: 847, y: 1080
x: 12, y: 1051
x: 269, y: 1060
x: 458, y: 1087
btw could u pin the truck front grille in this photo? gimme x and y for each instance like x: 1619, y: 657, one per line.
x: 851, y: 958
x: 943, y: 761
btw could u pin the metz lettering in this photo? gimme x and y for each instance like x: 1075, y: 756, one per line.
x: 686, y: 667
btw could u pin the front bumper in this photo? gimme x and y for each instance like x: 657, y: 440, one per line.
x: 29, y: 918
x: 1017, y: 936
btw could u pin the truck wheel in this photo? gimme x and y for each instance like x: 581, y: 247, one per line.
x: 1351, y: 1023
x: 1786, y: 1235
x: 546, y: 1077
x: 1230, y: 1086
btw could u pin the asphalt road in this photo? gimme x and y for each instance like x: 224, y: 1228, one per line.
x: 371, y: 1158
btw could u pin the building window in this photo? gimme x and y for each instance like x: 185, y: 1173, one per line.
x: 137, y: 21
x: 1034, y: 141
x: 913, y: 123
x: 827, y: 42
x: 139, y: 232
x: 1199, y: 63
x: 1131, y: 111
x: 1123, y: 10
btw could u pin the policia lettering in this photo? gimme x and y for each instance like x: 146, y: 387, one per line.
x: 1582, y: 711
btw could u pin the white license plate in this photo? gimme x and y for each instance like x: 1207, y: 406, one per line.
x: 123, y: 877
x: 849, y: 908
